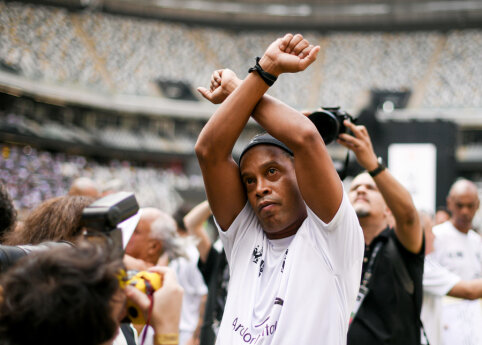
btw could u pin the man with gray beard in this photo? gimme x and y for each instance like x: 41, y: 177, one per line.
x: 388, y: 305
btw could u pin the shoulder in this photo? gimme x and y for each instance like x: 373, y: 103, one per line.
x: 407, y: 255
x: 443, y: 229
x: 344, y: 217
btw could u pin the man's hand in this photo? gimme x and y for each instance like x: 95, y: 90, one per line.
x: 223, y: 82
x: 361, y: 144
x: 132, y: 263
x: 289, y: 54
x: 167, y: 302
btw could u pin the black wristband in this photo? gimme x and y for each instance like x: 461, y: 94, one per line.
x: 267, y: 77
x: 378, y: 169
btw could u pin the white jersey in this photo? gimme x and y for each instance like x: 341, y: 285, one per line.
x: 191, y: 280
x: 437, y: 282
x: 297, y: 290
x: 461, y: 254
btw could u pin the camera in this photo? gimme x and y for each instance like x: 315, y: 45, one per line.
x: 9, y: 255
x: 329, y: 122
x: 101, y: 219
x: 146, y: 282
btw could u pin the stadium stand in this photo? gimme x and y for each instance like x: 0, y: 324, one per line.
x: 125, y: 55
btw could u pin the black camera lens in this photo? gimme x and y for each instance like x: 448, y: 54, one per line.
x: 329, y: 122
x: 327, y: 125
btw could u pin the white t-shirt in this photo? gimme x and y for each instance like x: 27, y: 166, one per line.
x: 461, y: 254
x: 437, y: 282
x: 297, y: 290
x: 191, y: 280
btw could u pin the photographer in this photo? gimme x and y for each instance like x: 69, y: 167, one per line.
x: 390, y: 299
x: 71, y: 295
x: 55, y: 219
x: 292, y: 240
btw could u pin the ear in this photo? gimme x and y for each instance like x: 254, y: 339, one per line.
x: 155, y: 247
x: 389, y: 217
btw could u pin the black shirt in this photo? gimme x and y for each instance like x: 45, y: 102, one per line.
x: 389, y: 314
x: 215, y: 272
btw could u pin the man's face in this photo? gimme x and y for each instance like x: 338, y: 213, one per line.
x: 139, y: 241
x: 366, y: 198
x: 268, y: 175
x: 463, y: 204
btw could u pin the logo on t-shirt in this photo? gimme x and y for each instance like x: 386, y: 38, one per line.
x: 257, y: 253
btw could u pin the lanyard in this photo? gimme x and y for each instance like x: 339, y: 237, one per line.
x: 363, y: 292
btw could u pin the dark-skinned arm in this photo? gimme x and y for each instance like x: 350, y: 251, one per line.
x: 217, y: 139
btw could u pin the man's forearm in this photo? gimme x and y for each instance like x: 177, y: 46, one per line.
x: 468, y: 289
x: 223, y: 129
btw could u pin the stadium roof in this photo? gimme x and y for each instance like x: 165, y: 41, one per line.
x: 307, y: 14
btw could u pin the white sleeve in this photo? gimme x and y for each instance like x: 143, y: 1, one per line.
x: 235, y: 237
x: 342, y: 238
x: 437, y: 280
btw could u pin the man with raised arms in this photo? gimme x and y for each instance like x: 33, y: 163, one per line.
x: 292, y: 240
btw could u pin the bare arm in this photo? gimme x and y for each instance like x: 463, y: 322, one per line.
x: 468, y: 289
x: 317, y: 178
x: 224, y: 189
x: 197, y: 332
x: 193, y: 221
x: 407, y: 222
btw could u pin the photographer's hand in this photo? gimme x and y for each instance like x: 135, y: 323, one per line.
x: 167, y: 302
x: 361, y: 144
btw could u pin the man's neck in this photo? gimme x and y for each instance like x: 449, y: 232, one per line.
x: 371, y: 229
x: 461, y: 228
x: 287, y: 232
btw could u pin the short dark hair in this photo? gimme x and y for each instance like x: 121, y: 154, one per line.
x: 179, y: 216
x: 8, y: 214
x: 60, y: 296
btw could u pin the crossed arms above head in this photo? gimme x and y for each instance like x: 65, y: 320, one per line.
x: 316, y: 176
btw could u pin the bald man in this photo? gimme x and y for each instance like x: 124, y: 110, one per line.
x: 156, y: 237
x: 84, y: 186
x: 458, y: 248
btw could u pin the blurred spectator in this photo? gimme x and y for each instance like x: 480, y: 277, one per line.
x: 84, y: 186
x: 71, y: 295
x: 458, y: 248
x: 56, y: 219
x: 155, y: 241
x: 32, y: 176
x: 442, y: 215
x: 438, y: 282
x: 65, y: 295
x: 8, y: 214
x: 215, y: 270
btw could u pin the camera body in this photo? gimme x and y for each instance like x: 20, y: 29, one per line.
x: 146, y: 282
x: 329, y: 122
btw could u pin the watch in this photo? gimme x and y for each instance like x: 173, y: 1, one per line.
x: 378, y: 169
